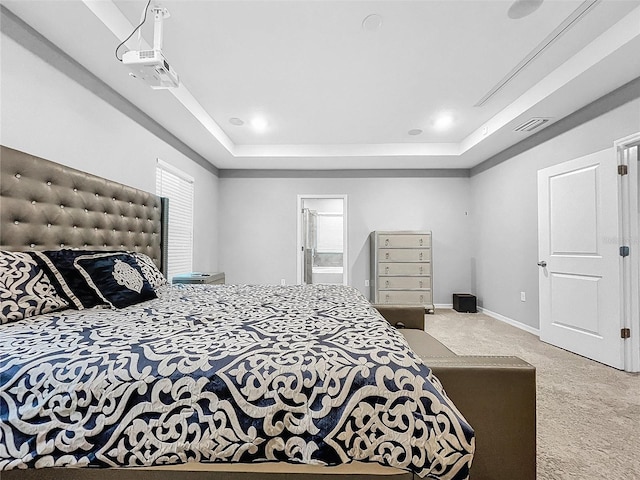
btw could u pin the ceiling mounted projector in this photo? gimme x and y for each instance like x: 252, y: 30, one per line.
x: 151, y: 66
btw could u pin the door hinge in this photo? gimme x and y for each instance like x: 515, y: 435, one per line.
x: 624, y: 251
x: 623, y: 170
x: 625, y: 332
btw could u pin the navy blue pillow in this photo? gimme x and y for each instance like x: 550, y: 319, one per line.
x: 116, y: 278
x: 25, y: 289
x: 70, y: 284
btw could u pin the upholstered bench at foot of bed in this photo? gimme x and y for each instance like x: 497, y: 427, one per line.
x: 497, y: 396
x: 402, y: 316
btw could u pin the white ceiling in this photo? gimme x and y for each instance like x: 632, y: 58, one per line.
x: 336, y: 95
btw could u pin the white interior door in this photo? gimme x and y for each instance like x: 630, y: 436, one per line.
x: 580, y: 293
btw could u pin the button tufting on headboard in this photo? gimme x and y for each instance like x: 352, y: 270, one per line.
x: 74, y: 209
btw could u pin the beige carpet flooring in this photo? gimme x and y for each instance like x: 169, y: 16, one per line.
x: 588, y: 413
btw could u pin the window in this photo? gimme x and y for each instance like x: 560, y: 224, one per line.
x: 329, y: 233
x: 178, y: 188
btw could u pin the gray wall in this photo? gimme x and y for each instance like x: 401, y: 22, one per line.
x: 258, y: 225
x: 505, y: 213
x: 45, y: 113
x: 491, y: 252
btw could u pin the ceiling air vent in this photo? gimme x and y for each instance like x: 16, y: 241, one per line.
x: 531, y: 124
x: 578, y: 14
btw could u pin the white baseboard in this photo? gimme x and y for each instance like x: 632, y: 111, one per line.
x: 443, y: 305
x: 510, y: 321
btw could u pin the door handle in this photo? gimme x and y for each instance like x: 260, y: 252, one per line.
x: 542, y: 264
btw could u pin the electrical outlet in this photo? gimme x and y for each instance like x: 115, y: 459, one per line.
x: 282, y: 281
x: 366, y: 283
x: 523, y: 297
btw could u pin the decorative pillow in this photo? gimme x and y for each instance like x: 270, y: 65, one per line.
x: 58, y: 264
x: 25, y: 290
x: 116, y: 277
x: 150, y: 271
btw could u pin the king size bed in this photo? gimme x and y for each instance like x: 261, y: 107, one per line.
x: 106, y: 371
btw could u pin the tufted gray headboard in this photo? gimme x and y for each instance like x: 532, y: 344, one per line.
x: 47, y: 206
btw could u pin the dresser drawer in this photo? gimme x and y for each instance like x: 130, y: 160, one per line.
x: 404, y: 268
x: 405, y: 255
x: 405, y: 297
x: 404, y: 283
x: 404, y: 241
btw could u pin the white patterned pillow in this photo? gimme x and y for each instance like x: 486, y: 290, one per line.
x: 25, y: 290
x: 150, y: 271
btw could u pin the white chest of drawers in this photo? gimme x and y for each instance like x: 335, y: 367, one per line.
x: 401, y: 271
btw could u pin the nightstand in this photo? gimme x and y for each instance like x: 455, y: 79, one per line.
x: 198, y: 277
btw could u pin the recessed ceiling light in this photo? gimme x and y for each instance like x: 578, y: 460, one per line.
x: 443, y: 121
x: 372, y: 23
x: 522, y: 8
x: 414, y: 131
x: 259, y: 124
x: 236, y: 121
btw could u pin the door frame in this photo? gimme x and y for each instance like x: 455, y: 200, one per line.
x: 628, y: 197
x: 345, y: 235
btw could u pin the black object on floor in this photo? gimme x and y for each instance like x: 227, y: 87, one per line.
x: 464, y: 302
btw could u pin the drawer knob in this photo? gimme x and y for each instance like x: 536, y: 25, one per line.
x: 386, y: 242
x: 420, y: 255
x: 386, y: 269
x: 421, y: 298
x: 386, y: 284
x: 420, y: 269
x: 421, y: 241
x: 386, y: 256
x: 420, y: 283
x: 386, y: 298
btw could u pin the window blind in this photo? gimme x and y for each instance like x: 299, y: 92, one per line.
x: 329, y: 233
x: 178, y: 188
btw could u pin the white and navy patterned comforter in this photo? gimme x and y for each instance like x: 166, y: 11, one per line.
x: 224, y: 373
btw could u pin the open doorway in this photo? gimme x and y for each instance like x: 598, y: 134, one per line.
x: 589, y: 255
x: 322, y: 239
